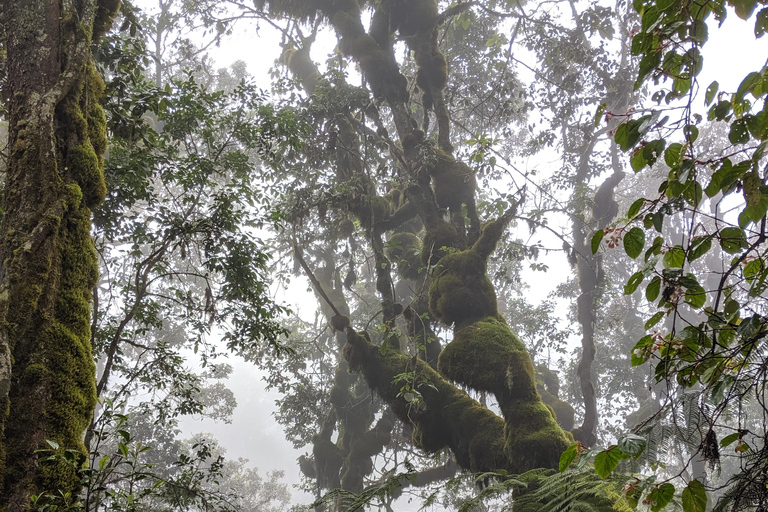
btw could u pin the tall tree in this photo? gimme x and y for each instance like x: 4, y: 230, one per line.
x: 57, y: 138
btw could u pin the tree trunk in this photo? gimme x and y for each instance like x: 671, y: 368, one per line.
x: 57, y: 134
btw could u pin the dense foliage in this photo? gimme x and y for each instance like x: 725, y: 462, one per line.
x: 411, y: 177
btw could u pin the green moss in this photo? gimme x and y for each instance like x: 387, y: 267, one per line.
x: 440, y: 238
x: 84, y: 165
x: 534, y: 439
x: 480, y: 356
x: 403, y: 249
x: 105, y: 13
x: 461, y: 292
x: 447, y: 416
x: 375, y: 209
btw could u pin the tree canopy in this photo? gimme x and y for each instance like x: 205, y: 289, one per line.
x: 153, y: 203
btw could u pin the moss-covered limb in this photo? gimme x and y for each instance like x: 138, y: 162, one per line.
x: 54, y: 178
x: 444, y: 416
x: 485, y: 355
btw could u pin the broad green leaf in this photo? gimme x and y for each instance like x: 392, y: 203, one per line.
x: 754, y: 268
x: 641, y: 352
x: 568, y: 456
x: 655, y: 319
x: 632, y: 444
x: 596, y: 239
x: 691, y: 133
x: 695, y: 296
x: 699, y: 247
x: 672, y: 154
x: 743, y: 8
x: 694, y: 497
x: 729, y: 439
x: 633, y: 282
x: 652, y: 290
x: 634, y: 241
x: 674, y: 258
x: 660, y: 496
x: 761, y: 22
x: 637, y: 161
x: 732, y: 240
x: 635, y: 208
x: 711, y: 92
x: 607, y: 460
x: 739, y: 133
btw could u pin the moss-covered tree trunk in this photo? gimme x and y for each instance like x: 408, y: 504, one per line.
x: 57, y: 136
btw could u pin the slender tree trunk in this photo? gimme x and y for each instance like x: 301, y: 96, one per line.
x: 57, y: 134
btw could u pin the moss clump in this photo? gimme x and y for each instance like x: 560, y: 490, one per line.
x: 106, y: 10
x: 86, y: 168
x: 440, y: 238
x: 374, y: 209
x: 534, y: 439
x: 403, y: 249
x: 461, y: 292
x: 480, y: 354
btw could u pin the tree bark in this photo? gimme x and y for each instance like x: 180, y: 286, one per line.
x: 57, y: 134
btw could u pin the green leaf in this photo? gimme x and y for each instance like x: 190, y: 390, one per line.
x: 674, y: 258
x: 599, y: 113
x: 638, y: 161
x: 568, y: 456
x: 711, y: 92
x: 641, y: 352
x: 633, y: 283
x: 596, y: 239
x: 761, y: 22
x: 660, y: 496
x: 632, y: 444
x: 691, y: 133
x: 629, y: 133
x: 607, y: 460
x: 635, y: 208
x: 739, y: 133
x: 655, y: 319
x: 729, y: 439
x: 696, y: 296
x: 732, y: 240
x: 672, y: 154
x: 743, y: 8
x: 694, y: 497
x: 634, y: 241
x: 652, y: 290
x: 699, y: 247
